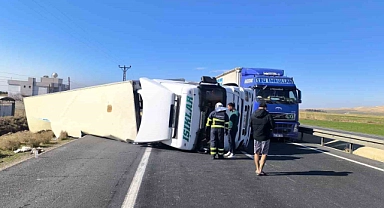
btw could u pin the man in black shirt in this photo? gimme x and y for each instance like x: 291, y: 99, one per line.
x: 262, y: 124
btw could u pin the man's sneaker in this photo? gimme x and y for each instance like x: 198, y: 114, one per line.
x: 231, y: 155
x: 228, y: 153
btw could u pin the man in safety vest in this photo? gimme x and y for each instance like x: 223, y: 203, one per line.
x: 218, y: 120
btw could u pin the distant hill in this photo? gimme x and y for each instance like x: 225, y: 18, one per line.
x: 377, y: 110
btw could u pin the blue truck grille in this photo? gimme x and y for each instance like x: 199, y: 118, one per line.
x: 283, y: 128
x: 283, y: 116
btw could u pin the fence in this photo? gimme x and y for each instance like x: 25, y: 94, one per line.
x: 351, y: 139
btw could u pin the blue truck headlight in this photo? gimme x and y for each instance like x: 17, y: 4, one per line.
x: 290, y: 116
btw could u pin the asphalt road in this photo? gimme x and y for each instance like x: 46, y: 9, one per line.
x: 90, y: 172
x: 96, y: 172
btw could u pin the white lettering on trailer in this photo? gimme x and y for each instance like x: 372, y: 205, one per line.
x: 187, y: 119
x: 248, y: 81
x: 275, y: 80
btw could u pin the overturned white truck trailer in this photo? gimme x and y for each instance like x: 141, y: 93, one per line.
x: 145, y: 110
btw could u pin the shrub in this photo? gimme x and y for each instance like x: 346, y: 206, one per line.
x: 14, y: 141
x: 34, y: 141
x: 45, y: 136
x: 13, y: 124
x: 9, y: 144
x: 63, y: 135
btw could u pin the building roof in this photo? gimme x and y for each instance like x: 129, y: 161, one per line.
x: 6, y: 99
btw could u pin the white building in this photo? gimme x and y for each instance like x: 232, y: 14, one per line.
x: 31, y: 87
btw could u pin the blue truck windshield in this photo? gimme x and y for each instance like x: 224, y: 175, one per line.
x: 277, y: 95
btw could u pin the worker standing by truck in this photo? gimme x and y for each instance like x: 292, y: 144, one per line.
x: 218, y: 120
x: 233, y: 128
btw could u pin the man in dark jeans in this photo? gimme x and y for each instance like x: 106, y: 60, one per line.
x: 262, y: 124
x: 233, y: 128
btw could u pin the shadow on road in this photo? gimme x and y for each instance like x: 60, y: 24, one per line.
x: 282, y: 157
x: 270, y: 157
x: 278, y: 151
x: 285, y: 151
x: 310, y: 173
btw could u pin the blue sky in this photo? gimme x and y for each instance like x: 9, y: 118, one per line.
x: 333, y: 49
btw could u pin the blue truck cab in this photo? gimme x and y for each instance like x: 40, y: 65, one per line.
x: 278, y: 91
x: 281, y: 95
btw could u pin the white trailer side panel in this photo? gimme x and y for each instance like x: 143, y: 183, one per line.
x: 228, y: 77
x: 105, y: 110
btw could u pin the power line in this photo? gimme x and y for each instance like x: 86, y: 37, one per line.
x: 77, y: 26
x: 23, y: 75
x: 5, y: 77
x: 72, y: 29
x: 125, y: 69
x: 81, y: 85
x: 69, y: 26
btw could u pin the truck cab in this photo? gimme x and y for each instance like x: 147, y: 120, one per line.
x: 281, y: 95
x: 193, y: 102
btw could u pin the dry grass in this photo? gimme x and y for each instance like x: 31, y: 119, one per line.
x: 11, y: 124
x: 374, y: 110
x: 10, y: 142
x: 350, y: 118
x: 43, y: 137
x: 368, y: 124
x: 63, y: 135
x: 16, y: 140
x: 20, y: 113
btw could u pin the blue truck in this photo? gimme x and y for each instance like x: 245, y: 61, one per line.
x: 278, y: 91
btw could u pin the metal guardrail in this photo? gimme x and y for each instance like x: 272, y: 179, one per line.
x: 348, y: 138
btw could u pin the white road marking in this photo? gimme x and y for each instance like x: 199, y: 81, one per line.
x: 344, y: 158
x: 248, y: 155
x: 130, y: 198
x: 333, y: 141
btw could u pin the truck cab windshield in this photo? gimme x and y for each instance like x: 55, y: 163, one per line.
x: 276, y: 95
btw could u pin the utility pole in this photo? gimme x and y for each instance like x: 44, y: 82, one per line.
x: 125, y: 69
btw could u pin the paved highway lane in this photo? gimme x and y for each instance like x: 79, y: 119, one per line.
x: 90, y: 172
x: 298, y: 177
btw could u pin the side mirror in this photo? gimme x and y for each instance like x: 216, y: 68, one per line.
x: 299, y: 96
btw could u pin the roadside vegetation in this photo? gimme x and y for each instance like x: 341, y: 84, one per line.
x: 15, y: 135
x: 11, y: 142
x: 13, y: 124
x: 368, y: 124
